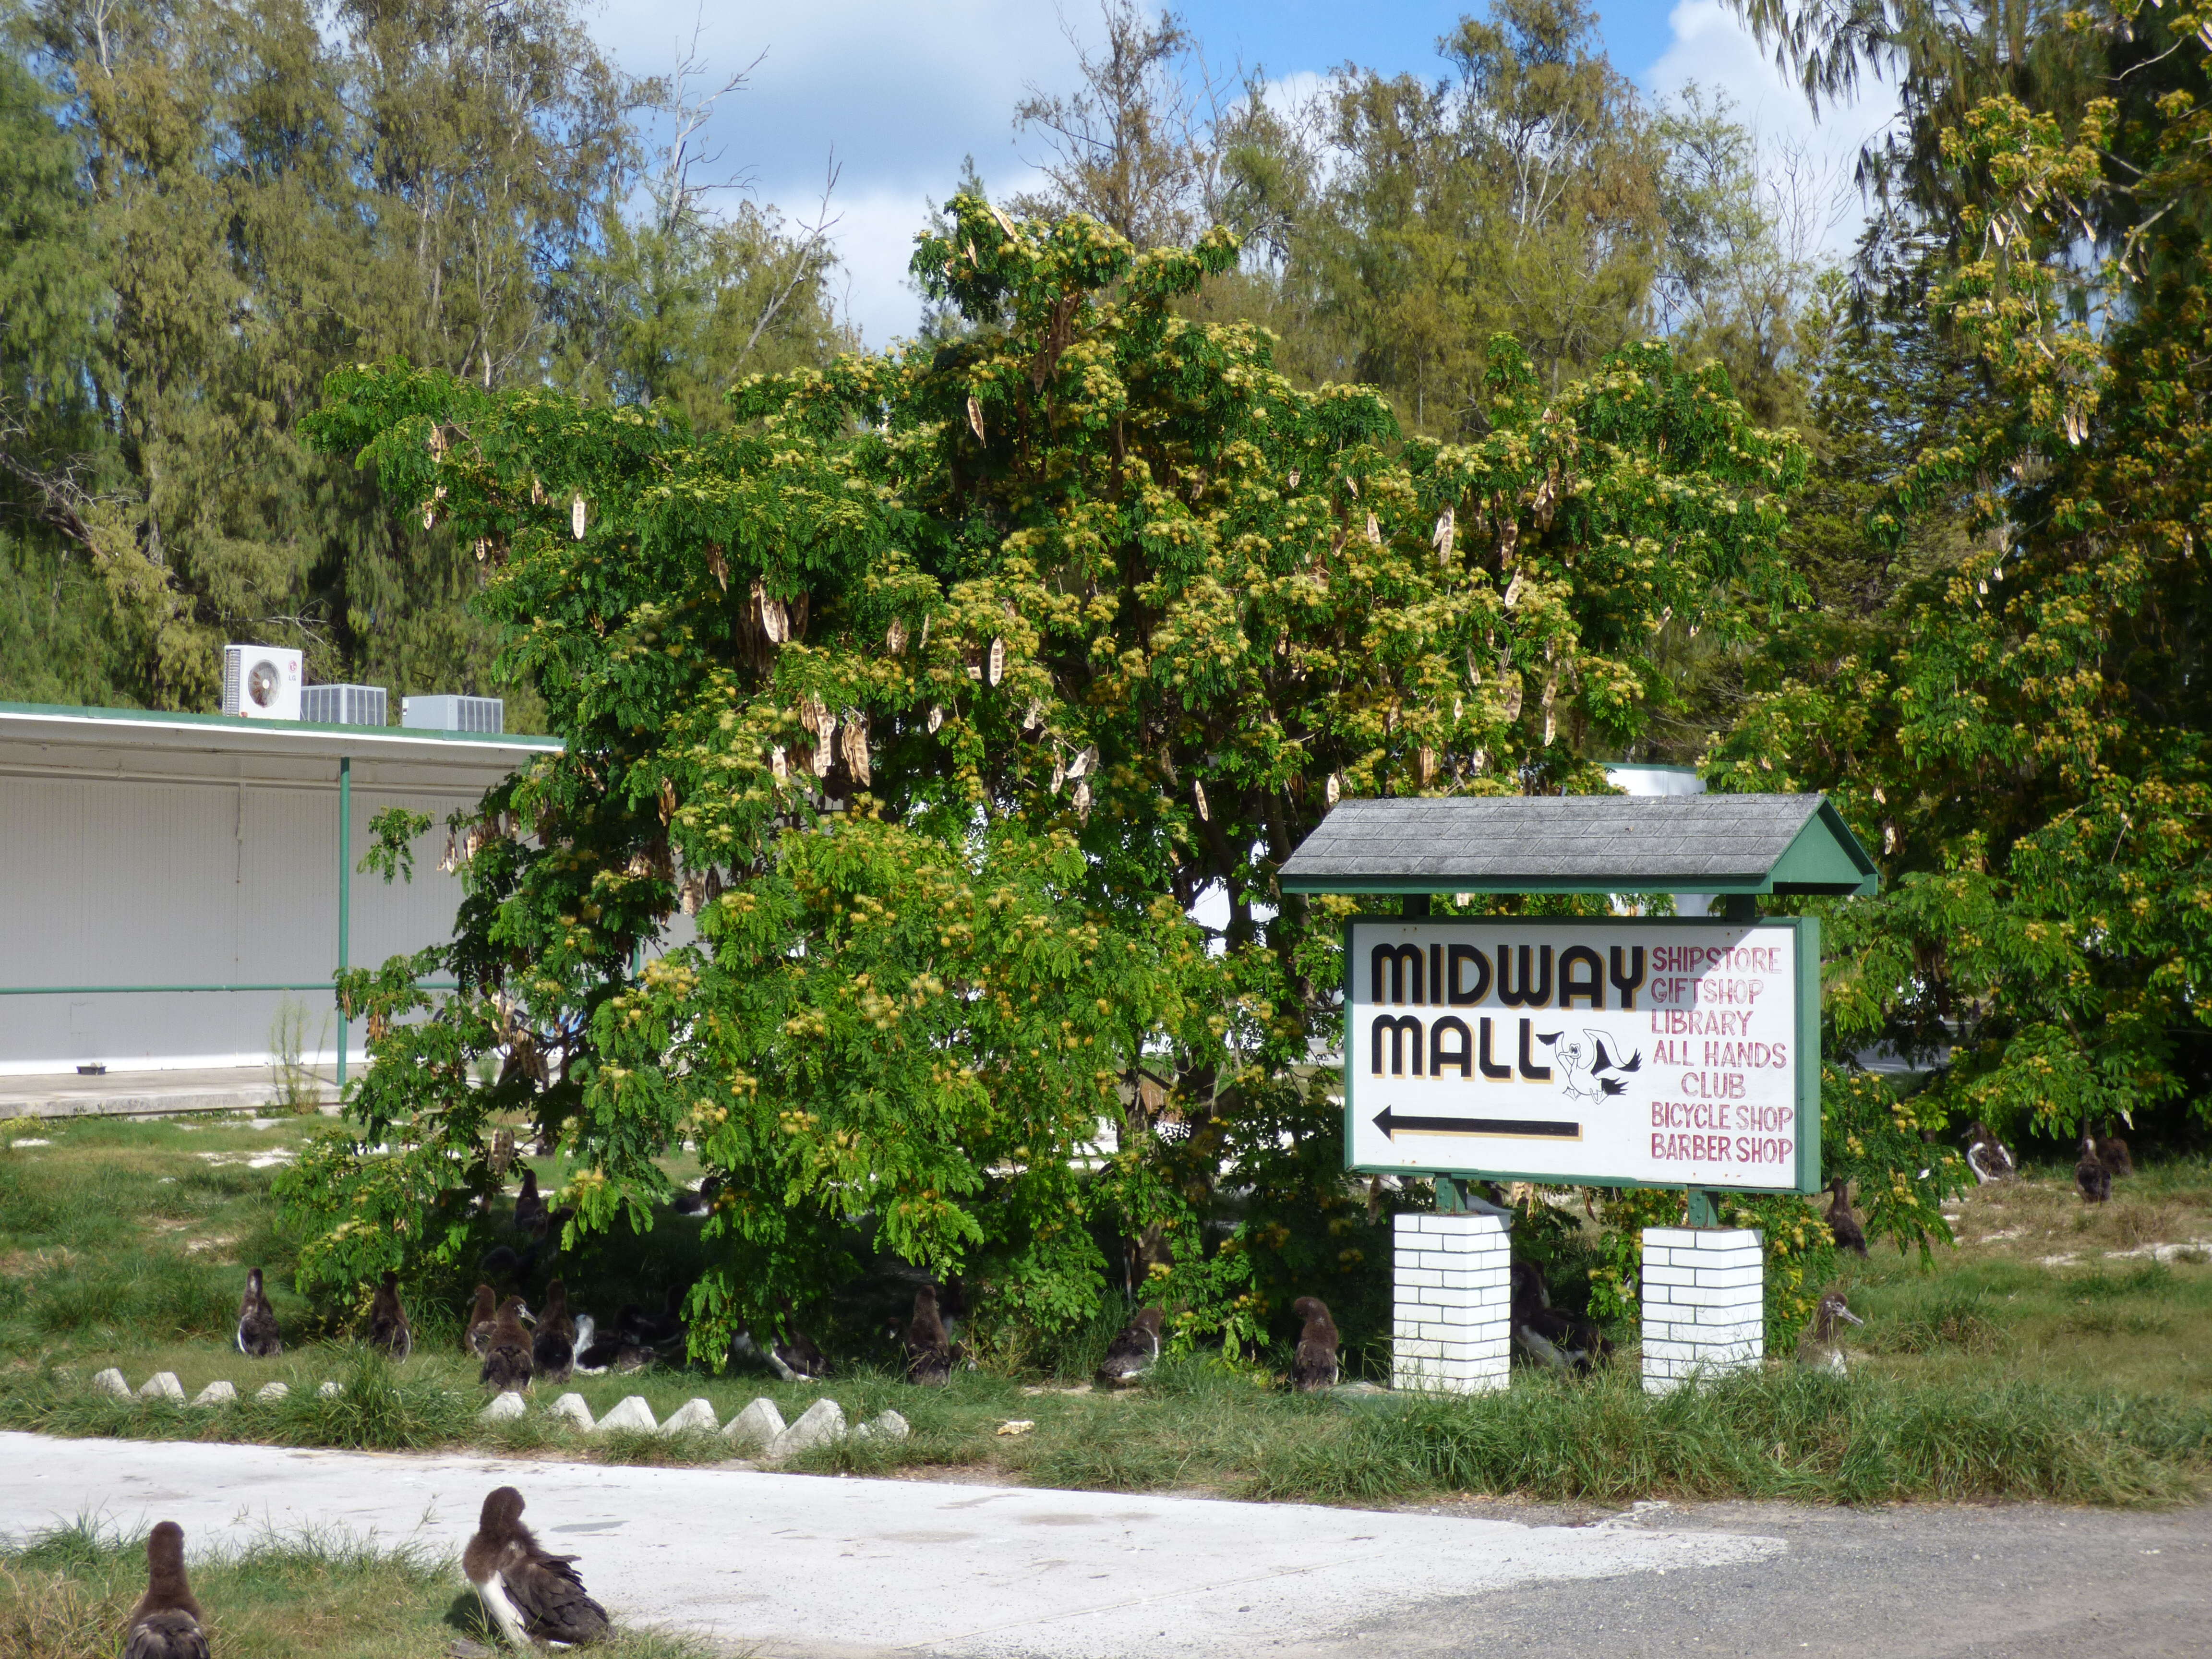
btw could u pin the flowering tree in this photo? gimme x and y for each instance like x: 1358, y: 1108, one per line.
x: 936, y: 689
x: 2021, y: 731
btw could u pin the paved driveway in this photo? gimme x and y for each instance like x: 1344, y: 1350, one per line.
x: 804, y: 1565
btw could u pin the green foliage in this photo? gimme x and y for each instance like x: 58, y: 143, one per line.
x: 1520, y: 194
x: 396, y: 830
x: 359, y: 1211
x: 2022, y: 729
x: 933, y: 690
x: 211, y: 204
x: 1616, y: 1283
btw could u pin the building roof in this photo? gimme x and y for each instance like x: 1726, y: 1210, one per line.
x: 1582, y: 844
x: 158, y: 729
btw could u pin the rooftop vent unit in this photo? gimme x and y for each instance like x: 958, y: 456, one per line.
x: 261, y: 682
x: 343, y: 705
x: 453, y: 714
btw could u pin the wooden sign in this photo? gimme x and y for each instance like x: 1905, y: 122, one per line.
x: 1623, y: 1052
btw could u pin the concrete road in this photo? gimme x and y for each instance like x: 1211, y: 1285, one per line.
x: 1914, y: 1582
x: 801, y: 1565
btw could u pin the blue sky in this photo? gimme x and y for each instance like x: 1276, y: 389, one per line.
x: 901, y: 90
x: 1390, y: 35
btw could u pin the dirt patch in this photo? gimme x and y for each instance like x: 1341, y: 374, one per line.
x: 28, y: 1264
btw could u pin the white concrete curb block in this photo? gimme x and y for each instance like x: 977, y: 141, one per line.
x: 271, y: 1391
x: 821, y: 1423
x: 632, y: 1413
x: 163, y: 1385
x: 216, y: 1393
x: 691, y: 1414
x: 332, y: 1390
x: 505, y: 1409
x: 758, y: 1425
x: 889, y: 1426
x: 113, y: 1382
x: 571, y: 1409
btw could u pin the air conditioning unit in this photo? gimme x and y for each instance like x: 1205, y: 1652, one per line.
x: 453, y: 714
x: 343, y: 705
x: 261, y: 682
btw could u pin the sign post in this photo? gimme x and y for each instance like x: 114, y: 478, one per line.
x: 1606, y: 1050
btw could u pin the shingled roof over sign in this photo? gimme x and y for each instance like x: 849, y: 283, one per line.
x: 1582, y: 844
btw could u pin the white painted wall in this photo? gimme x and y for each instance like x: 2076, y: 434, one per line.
x: 131, y: 856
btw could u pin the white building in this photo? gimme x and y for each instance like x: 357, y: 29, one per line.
x: 172, y: 885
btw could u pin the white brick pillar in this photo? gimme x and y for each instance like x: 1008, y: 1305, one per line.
x: 1705, y: 1303
x: 1452, y: 1322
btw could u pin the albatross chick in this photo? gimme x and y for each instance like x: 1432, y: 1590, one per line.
x: 530, y: 1211
x: 388, y: 1330
x: 476, y: 1329
x: 553, y: 1345
x: 1850, y: 1236
x: 165, y: 1623
x: 1314, y: 1367
x: 506, y: 1361
x: 1990, y: 1158
x: 1134, y: 1350
x: 257, y: 1322
x: 2092, y: 1175
x: 928, y: 1354
x: 1822, y: 1344
x: 527, y: 1592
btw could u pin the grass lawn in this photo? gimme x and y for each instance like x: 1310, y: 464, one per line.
x: 69, y: 1595
x: 2058, y: 1352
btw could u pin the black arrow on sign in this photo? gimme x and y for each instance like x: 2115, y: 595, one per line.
x: 1393, y: 1124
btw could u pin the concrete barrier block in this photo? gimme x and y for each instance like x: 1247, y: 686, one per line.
x: 758, y: 1425
x: 111, y: 1381
x: 272, y: 1392
x: 216, y: 1394
x: 632, y: 1413
x: 504, y: 1409
x: 571, y: 1408
x: 821, y: 1423
x: 162, y: 1385
x: 694, y: 1415
x: 890, y: 1426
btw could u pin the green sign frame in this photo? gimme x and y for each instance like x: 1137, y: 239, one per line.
x: 1807, y: 1061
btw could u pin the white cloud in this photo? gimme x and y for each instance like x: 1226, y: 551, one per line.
x: 900, y: 89
x: 1713, y: 49
x: 1289, y: 95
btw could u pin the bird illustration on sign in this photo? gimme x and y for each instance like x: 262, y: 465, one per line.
x: 1588, y: 1064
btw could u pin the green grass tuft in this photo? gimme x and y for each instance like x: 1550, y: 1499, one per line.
x: 1790, y: 1434
x: 68, y: 1594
